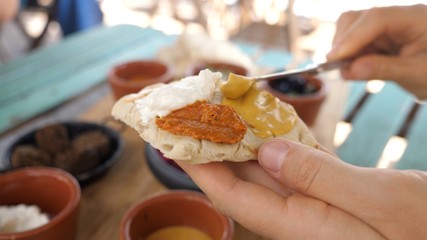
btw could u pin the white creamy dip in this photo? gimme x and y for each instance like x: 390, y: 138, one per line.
x: 160, y: 101
x: 18, y: 218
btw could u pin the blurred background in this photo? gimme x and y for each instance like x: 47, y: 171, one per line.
x: 304, y: 27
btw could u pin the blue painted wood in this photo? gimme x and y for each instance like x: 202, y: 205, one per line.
x: 379, y: 118
x: 248, y: 48
x: 35, y: 75
x: 274, y: 59
x: 67, y: 48
x: 37, y: 83
x: 356, y: 92
x: 71, y: 85
x: 415, y: 156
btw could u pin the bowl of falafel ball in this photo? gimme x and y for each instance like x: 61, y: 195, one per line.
x: 84, y: 149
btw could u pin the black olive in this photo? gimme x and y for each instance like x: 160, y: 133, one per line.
x: 294, y: 84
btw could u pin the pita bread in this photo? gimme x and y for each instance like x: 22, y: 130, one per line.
x: 128, y: 110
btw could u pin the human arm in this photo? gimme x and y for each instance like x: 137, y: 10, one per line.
x: 390, y: 42
x: 313, y: 195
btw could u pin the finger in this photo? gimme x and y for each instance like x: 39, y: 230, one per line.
x: 251, y: 171
x: 343, y: 24
x: 363, y: 32
x: 378, y: 67
x: 306, y: 169
x: 267, y: 213
x: 408, y: 72
x: 359, y: 191
x: 343, y: 45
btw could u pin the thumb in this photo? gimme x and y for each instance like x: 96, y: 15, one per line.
x: 408, y: 72
x: 321, y: 175
x: 374, y: 66
x: 298, y: 166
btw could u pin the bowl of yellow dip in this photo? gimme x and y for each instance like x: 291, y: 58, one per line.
x: 175, y: 215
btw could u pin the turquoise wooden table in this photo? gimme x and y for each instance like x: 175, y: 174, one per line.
x: 388, y: 128
x: 49, y: 76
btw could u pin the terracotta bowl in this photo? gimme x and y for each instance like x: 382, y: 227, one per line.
x: 54, y: 191
x: 175, y: 208
x: 131, y: 77
x: 306, y: 105
x: 223, y: 67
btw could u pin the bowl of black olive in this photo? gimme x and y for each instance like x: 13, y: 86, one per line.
x: 305, y: 93
x: 84, y: 149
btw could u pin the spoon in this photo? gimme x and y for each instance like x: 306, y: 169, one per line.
x: 311, y: 69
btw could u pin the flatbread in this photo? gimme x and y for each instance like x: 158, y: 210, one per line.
x: 129, y: 110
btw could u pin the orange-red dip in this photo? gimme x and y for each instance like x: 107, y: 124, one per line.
x: 203, y: 120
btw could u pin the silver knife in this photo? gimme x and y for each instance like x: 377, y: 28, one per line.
x: 312, y: 69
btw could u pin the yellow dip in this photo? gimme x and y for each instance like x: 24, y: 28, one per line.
x: 236, y: 86
x: 178, y: 233
x: 265, y: 114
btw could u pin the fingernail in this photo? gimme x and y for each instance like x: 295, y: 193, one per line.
x: 272, y: 155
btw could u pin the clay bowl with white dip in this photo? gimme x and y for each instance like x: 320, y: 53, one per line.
x: 38, y: 203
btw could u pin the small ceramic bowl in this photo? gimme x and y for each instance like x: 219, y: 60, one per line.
x: 223, y: 67
x: 131, y: 77
x: 74, y: 129
x: 175, y: 208
x: 54, y: 191
x: 167, y: 171
x: 306, y: 101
